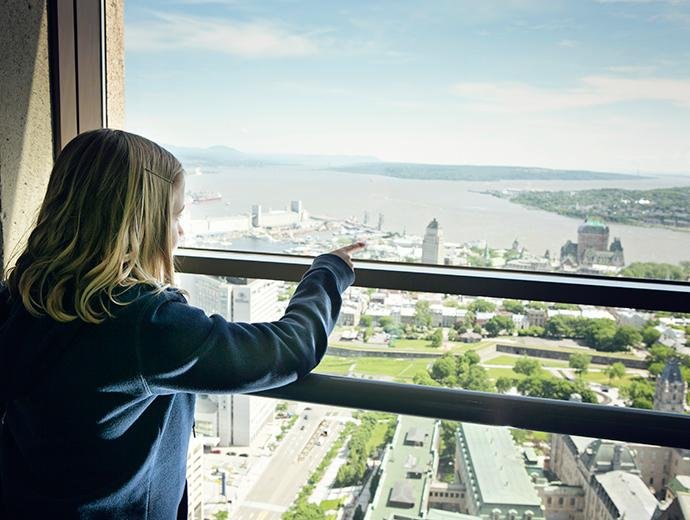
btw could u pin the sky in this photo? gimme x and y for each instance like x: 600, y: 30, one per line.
x: 578, y: 84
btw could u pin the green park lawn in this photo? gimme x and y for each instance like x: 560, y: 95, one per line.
x: 507, y: 359
x: 396, y: 368
x: 334, y: 365
x: 494, y: 373
x: 602, y: 378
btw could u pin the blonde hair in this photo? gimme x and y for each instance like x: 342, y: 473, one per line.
x: 104, y: 226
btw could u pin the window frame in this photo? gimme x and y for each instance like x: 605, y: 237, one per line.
x: 78, y: 95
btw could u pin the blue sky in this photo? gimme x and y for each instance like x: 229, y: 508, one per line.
x: 593, y: 84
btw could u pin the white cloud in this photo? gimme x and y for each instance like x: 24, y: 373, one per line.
x: 255, y: 39
x: 515, y: 97
x: 567, y: 43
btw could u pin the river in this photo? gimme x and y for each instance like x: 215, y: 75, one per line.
x: 409, y: 205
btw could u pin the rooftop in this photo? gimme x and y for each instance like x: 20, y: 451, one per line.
x: 498, y: 467
x: 629, y: 494
x: 398, y: 493
x: 672, y: 372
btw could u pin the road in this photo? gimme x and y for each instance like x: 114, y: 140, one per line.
x: 291, y: 465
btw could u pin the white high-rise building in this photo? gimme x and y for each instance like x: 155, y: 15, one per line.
x: 195, y: 479
x: 432, y: 246
x: 238, y: 418
x: 241, y: 417
x: 236, y: 299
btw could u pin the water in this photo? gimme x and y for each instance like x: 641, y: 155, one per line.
x: 409, y: 205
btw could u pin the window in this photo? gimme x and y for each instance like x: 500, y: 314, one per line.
x: 581, y: 419
x: 383, y: 123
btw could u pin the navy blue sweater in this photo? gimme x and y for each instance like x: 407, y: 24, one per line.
x: 98, y: 417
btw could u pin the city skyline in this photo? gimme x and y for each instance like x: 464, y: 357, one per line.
x: 600, y: 85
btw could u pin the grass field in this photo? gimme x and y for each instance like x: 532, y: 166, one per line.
x: 335, y: 365
x: 508, y: 359
x: 602, y: 378
x: 495, y: 373
x: 396, y: 368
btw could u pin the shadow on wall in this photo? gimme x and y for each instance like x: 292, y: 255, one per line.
x: 26, y: 152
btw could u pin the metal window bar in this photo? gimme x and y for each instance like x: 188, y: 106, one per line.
x: 625, y: 424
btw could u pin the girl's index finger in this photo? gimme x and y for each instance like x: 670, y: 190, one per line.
x: 356, y: 246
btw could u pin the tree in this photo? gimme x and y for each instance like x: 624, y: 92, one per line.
x: 480, y: 305
x: 422, y: 316
x: 471, y: 357
x: 527, y: 366
x: 650, y: 336
x: 304, y: 511
x: 437, y: 338
x: 640, y: 393
x: 499, y: 324
x: 443, y: 368
x: 615, y: 371
x: 366, y: 321
x: 424, y: 379
x: 475, y: 378
x: 220, y: 515
x: 513, y: 306
x: 385, y: 321
x: 558, y: 327
x: 537, y: 305
x: 600, y: 334
x: 626, y: 336
x: 367, y: 334
x: 503, y: 384
x: 580, y: 362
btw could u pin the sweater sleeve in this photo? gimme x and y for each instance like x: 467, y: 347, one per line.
x: 183, y: 350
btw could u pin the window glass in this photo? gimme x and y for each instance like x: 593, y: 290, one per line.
x: 533, y: 136
x: 610, y: 356
x: 276, y: 459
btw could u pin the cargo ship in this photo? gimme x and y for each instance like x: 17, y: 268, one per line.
x: 205, y: 196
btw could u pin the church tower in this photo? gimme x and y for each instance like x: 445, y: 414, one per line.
x: 671, y: 389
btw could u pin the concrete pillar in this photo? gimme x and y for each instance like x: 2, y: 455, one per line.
x: 26, y: 145
x: 26, y: 138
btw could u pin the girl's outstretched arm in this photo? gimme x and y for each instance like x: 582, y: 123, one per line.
x: 182, y: 349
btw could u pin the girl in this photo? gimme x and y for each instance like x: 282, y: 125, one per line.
x: 100, y: 356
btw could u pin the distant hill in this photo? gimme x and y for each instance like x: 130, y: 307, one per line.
x: 475, y: 173
x: 219, y: 156
x: 225, y: 156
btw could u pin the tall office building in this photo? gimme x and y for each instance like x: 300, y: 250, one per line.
x: 239, y: 417
x: 432, y: 246
x: 195, y: 480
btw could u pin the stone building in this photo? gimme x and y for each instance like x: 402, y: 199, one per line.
x: 671, y: 389
x: 592, y: 247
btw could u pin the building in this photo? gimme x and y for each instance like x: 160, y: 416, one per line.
x: 432, y: 245
x: 195, y: 479
x: 619, y: 495
x: 236, y: 299
x: 291, y: 216
x: 536, y: 317
x: 241, y: 417
x: 592, y: 247
x: 408, y: 466
x: 562, y: 501
x: 576, y: 461
x: 232, y: 419
x: 492, y: 472
x: 671, y: 388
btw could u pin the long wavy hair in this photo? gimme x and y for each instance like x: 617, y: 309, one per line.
x: 104, y: 226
